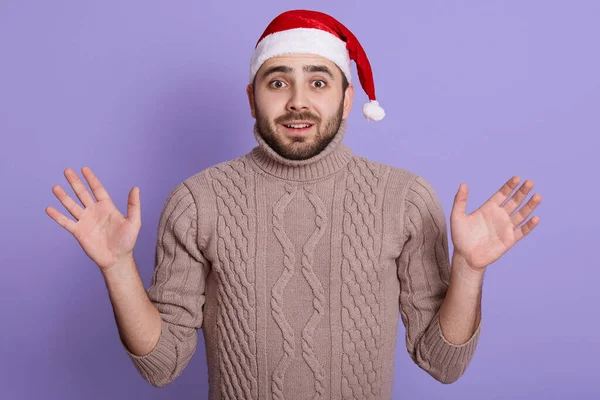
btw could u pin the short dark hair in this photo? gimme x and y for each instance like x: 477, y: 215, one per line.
x: 345, y: 82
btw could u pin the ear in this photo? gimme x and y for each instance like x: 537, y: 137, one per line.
x: 250, y: 93
x: 348, y: 100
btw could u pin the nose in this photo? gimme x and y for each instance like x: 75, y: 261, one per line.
x: 298, y: 100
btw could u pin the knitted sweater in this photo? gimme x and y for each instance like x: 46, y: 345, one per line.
x: 297, y: 272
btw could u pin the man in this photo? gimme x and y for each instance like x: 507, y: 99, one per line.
x: 297, y: 258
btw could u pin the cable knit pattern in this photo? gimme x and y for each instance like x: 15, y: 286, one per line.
x: 237, y: 318
x: 361, y: 290
x: 277, y: 292
x: 299, y: 272
x: 308, y: 255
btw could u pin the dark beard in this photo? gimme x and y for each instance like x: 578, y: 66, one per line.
x: 321, y: 139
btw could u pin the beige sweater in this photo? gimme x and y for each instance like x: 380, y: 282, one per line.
x: 297, y: 272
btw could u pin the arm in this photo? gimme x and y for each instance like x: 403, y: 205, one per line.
x: 424, y: 273
x: 160, y: 348
x: 138, y: 320
x: 460, y: 312
x: 158, y: 329
x: 480, y: 238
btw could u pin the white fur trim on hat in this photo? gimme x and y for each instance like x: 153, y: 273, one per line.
x: 301, y: 41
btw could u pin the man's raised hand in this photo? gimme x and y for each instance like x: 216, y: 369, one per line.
x: 104, y: 234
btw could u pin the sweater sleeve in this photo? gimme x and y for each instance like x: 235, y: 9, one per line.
x: 177, y: 290
x: 424, y: 274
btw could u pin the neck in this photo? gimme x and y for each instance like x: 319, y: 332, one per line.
x: 330, y: 160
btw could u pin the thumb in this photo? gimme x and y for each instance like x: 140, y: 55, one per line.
x: 134, y: 209
x: 460, y: 201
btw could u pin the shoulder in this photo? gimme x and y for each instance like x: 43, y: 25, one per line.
x: 404, y: 188
x: 397, y: 180
x: 397, y: 175
x: 195, y: 196
x: 201, y: 183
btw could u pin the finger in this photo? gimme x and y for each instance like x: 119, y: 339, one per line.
x: 502, y: 194
x: 459, y: 208
x: 134, y: 210
x: 99, y: 192
x: 79, y: 188
x: 526, y: 228
x: 526, y: 210
x: 63, y: 221
x: 515, y: 201
x: 71, y: 206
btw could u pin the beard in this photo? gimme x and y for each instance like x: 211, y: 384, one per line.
x: 302, y: 147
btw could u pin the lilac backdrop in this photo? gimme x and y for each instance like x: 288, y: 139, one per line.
x: 148, y: 93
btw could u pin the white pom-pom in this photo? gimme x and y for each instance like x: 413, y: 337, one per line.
x: 373, y: 111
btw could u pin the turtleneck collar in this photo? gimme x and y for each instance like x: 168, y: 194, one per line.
x: 330, y: 160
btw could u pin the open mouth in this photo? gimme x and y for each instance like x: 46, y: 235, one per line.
x: 297, y: 128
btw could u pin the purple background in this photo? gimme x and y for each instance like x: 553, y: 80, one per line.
x: 148, y: 93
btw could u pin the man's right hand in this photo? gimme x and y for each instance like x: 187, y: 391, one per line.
x: 104, y: 234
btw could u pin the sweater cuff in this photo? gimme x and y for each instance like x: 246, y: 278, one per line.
x: 160, y: 359
x: 441, y: 352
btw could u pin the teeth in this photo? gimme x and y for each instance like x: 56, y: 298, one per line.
x: 298, y: 126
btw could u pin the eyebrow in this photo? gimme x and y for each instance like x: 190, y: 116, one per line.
x: 284, y: 69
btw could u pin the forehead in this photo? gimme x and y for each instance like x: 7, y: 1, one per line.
x: 297, y: 61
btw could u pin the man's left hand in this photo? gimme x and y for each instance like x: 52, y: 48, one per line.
x: 488, y: 232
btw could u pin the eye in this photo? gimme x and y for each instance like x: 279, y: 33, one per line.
x: 276, y: 84
x: 321, y: 84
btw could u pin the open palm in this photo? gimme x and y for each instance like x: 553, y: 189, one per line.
x: 488, y: 232
x: 104, y: 234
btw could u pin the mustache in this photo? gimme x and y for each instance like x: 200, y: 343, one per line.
x: 305, y: 116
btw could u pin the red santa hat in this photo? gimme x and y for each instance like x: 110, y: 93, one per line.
x: 313, y: 32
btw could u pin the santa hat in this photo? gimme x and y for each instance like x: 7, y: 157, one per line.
x: 313, y: 32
